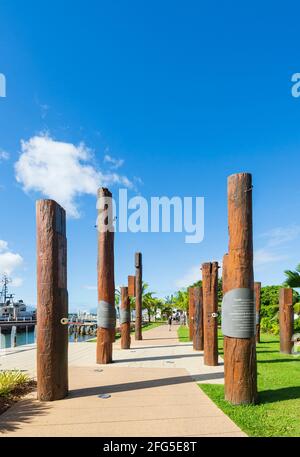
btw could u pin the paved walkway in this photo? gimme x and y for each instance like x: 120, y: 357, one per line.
x: 152, y: 392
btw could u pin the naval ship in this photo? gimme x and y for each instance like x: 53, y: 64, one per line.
x: 13, y: 312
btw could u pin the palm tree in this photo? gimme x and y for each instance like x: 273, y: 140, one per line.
x: 148, y: 300
x: 293, y: 277
x: 181, y: 300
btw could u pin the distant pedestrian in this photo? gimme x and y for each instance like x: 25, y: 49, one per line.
x: 170, y: 323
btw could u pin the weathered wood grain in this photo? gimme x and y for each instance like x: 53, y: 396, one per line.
x: 52, y: 301
x: 210, y: 312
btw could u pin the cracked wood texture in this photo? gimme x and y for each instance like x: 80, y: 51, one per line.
x: 131, y: 286
x: 106, y: 275
x: 52, y: 301
x: 210, y: 307
x: 191, y: 313
x: 257, y: 290
x: 125, y: 327
x: 198, y: 320
x: 286, y: 320
x: 240, y: 371
x: 138, y: 295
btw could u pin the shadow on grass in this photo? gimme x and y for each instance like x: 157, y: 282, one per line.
x: 259, y: 351
x: 276, y: 395
x: 280, y: 360
x: 269, y: 342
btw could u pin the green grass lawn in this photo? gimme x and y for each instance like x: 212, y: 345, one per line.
x: 147, y: 326
x: 183, y: 334
x: 278, y: 410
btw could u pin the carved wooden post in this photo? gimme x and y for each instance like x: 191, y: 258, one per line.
x: 286, y: 320
x: 52, y: 302
x: 125, y: 318
x: 210, y: 312
x: 138, y: 297
x: 131, y: 286
x: 106, y: 278
x: 238, y: 308
x: 191, y: 313
x: 198, y: 320
x: 257, y: 289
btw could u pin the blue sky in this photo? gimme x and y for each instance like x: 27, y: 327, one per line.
x: 183, y: 93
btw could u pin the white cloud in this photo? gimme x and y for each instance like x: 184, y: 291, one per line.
x: 193, y: 275
x: 17, y: 282
x: 61, y: 171
x: 3, y: 245
x: 265, y: 255
x: 3, y: 155
x: 9, y: 261
x: 278, y: 247
x: 114, y: 163
x: 282, y: 235
x: 90, y: 287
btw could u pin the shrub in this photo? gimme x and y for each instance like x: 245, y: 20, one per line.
x: 9, y: 380
x: 268, y: 325
x: 297, y: 325
x: 297, y: 308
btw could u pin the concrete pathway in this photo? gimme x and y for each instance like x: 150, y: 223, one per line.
x: 152, y: 392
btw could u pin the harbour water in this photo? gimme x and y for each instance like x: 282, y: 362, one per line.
x: 29, y: 338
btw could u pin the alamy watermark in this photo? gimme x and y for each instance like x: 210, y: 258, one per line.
x: 159, y: 214
x: 2, y: 85
x: 296, y: 86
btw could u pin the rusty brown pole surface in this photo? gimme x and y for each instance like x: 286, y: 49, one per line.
x: 52, y: 302
x: 198, y: 333
x: 240, y: 371
x: 286, y: 320
x: 106, y: 279
x: 257, y: 290
x: 138, y: 296
x: 131, y: 286
x: 125, y: 318
x: 210, y: 312
x: 191, y: 313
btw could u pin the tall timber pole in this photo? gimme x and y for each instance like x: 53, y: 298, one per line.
x: 139, y: 295
x: 198, y: 339
x: 238, y: 308
x: 191, y: 313
x: 210, y: 312
x: 52, y: 302
x: 106, y: 314
x: 125, y: 318
x: 286, y: 320
x: 257, y: 292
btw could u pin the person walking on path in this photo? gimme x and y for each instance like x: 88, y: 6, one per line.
x: 170, y: 323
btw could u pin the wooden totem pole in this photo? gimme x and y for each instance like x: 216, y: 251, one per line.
x: 106, y: 315
x: 198, y: 335
x: 286, y: 320
x: 52, y: 302
x: 210, y: 312
x: 138, y: 295
x: 238, y: 308
x: 191, y: 313
x: 125, y: 318
x: 257, y: 289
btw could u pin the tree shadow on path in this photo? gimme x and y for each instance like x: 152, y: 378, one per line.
x: 139, y: 385
x: 21, y: 413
